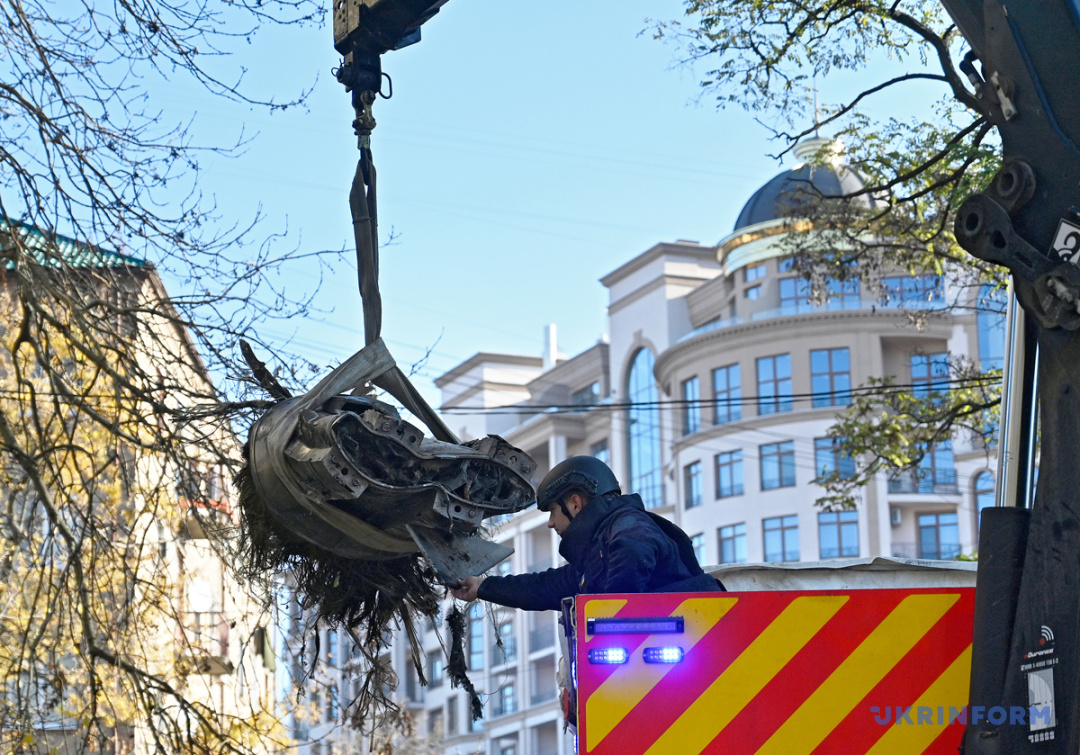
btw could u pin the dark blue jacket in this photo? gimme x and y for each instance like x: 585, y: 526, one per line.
x: 613, y: 545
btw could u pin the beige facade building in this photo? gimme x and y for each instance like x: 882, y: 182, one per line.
x: 150, y: 583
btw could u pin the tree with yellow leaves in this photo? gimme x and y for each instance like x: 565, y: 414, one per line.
x: 121, y: 629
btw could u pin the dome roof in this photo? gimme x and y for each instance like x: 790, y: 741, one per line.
x: 781, y: 195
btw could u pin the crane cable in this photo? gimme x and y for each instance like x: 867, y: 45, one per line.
x: 364, y: 210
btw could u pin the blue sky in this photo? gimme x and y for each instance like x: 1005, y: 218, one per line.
x: 529, y: 149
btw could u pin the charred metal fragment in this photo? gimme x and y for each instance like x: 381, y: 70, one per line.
x: 348, y: 474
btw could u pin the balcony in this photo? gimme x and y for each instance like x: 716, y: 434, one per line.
x: 834, y: 304
x: 539, y: 697
x: 202, y: 517
x: 925, y: 482
x: 946, y: 551
x: 541, y: 638
x: 204, y: 642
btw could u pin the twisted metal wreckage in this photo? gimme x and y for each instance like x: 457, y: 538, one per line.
x: 365, y: 513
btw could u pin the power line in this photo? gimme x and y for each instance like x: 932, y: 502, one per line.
x: 776, y: 399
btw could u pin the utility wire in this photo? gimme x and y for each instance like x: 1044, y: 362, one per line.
x: 771, y: 399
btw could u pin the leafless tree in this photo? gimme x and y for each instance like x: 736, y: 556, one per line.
x: 116, y: 446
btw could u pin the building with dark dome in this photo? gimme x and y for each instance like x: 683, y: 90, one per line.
x: 785, y: 192
x: 712, y: 396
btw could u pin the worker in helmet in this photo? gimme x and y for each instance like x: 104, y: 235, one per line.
x: 610, y: 542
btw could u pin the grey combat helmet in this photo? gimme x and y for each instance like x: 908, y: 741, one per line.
x: 584, y: 473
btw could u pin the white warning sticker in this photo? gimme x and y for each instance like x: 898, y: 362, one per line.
x: 1067, y: 242
x: 1041, y: 700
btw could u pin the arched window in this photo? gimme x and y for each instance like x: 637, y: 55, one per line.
x: 984, y: 494
x: 643, y: 431
x: 990, y: 318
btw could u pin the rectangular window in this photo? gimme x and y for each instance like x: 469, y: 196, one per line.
x: 830, y: 377
x: 332, y: 709
x: 435, y: 669
x: 939, y: 536
x: 937, y: 473
x: 434, y: 722
x: 753, y: 293
x: 828, y: 459
x: 507, y: 703
x: 795, y: 295
x: 508, y: 651
x: 698, y: 542
x: 727, y: 393
x: 600, y: 451
x: 729, y: 474
x: 476, y: 637
x: 781, y: 538
x: 774, y: 384
x: 778, y: 465
x: 692, y: 485
x: 587, y: 396
x: 733, y: 544
x: 843, y: 294
x: 929, y: 374
x: 912, y: 292
x: 412, y: 685
x: 838, y: 534
x: 452, y: 717
x: 331, y: 647
x: 753, y: 272
x: 691, y: 411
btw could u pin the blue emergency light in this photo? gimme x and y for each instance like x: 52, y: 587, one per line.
x: 608, y: 655
x: 637, y: 625
x: 662, y: 655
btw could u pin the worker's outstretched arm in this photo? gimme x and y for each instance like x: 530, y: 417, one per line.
x: 543, y: 591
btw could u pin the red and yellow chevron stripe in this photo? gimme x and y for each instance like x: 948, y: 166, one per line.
x: 779, y: 673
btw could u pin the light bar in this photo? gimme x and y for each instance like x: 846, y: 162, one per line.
x: 662, y: 655
x: 608, y: 655
x: 642, y: 625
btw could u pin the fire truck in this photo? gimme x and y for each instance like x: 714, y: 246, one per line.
x: 863, y: 656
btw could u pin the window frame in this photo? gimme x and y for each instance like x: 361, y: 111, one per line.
x: 691, y: 408
x: 842, y: 522
x: 693, y: 482
x: 643, y: 434
x: 837, y: 383
x: 788, y: 527
x: 836, y: 461
x: 727, y: 406
x: 784, y: 453
x: 922, y: 524
x: 771, y: 396
x: 733, y: 460
x: 735, y: 535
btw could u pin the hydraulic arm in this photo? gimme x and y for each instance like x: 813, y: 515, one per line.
x: 1027, y: 633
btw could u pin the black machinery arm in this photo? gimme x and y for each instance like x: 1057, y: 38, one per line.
x: 1027, y: 625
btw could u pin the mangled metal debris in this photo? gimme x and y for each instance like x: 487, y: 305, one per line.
x: 348, y: 474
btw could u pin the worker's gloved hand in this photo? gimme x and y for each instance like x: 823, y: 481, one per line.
x: 466, y: 589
